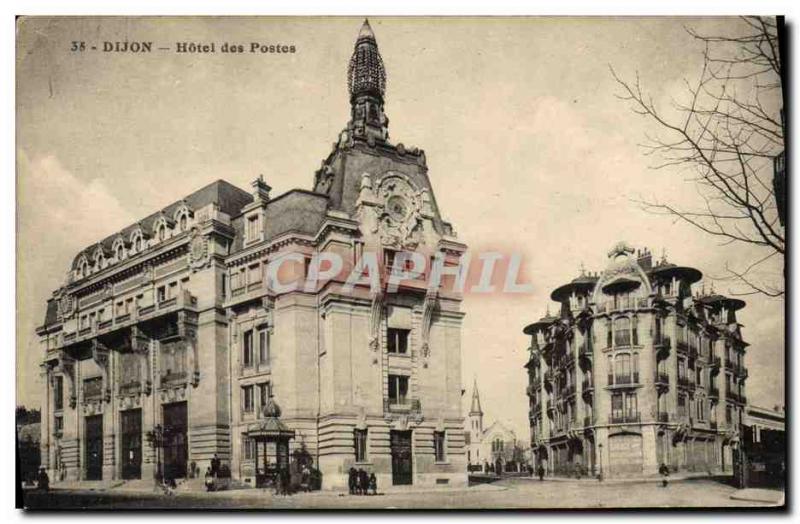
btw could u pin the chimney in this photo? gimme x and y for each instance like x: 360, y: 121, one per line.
x: 645, y: 259
x: 260, y: 190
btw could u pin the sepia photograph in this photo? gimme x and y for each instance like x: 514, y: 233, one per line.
x: 401, y: 262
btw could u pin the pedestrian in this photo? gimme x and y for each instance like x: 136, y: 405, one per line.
x: 215, y: 466
x: 209, y: 480
x: 540, y: 472
x: 663, y: 470
x: 351, y: 480
x: 287, y: 486
x: 43, y: 481
x: 373, y: 483
x: 305, y: 478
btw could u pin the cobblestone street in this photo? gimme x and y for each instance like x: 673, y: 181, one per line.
x: 506, y: 494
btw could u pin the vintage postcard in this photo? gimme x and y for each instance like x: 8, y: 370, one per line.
x: 400, y: 262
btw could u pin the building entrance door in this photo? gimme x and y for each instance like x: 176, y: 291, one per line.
x: 94, y: 447
x: 175, y: 441
x: 400, y: 442
x: 131, y: 422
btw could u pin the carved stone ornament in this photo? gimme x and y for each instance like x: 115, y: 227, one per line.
x: 323, y: 179
x: 67, y: 305
x: 400, y: 218
x: 198, y: 250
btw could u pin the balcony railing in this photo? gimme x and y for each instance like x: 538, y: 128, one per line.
x: 683, y: 382
x: 662, y: 378
x: 623, y: 380
x: 402, y: 405
x: 712, y: 425
x: 682, y: 346
x: 662, y: 342
x: 624, y: 418
x: 663, y: 417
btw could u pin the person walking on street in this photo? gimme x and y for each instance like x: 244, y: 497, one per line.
x: 540, y: 472
x: 43, y: 480
x: 663, y: 470
x: 373, y: 483
x: 351, y: 480
x: 215, y: 466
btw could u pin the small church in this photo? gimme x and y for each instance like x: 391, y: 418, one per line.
x: 490, y: 449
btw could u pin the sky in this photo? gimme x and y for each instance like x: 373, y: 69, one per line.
x: 528, y: 150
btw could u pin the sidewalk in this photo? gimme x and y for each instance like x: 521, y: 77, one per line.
x: 674, y: 477
x: 767, y: 496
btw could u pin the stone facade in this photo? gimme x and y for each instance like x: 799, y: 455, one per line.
x: 177, y: 321
x: 636, y: 371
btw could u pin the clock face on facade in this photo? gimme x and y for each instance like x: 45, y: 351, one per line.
x: 397, y: 207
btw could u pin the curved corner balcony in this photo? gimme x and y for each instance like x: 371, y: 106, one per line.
x: 143, y: 312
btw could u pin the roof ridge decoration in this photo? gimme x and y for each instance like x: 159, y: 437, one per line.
x: 366, y: 82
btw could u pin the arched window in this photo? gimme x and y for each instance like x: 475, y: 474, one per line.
x: 635, y: 330
x: 622, y: 332
x: 183, y: 222
x: 120, y: 252
x: 162, y: 232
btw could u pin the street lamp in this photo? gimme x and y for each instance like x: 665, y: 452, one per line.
x: 155, y: 438
x: 600, y: 475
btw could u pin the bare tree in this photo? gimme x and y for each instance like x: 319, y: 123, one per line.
x: 726, y: 131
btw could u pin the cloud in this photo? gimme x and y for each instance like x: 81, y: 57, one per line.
x: 58, y: 214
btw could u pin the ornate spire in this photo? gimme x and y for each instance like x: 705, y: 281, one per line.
x: 366, y: 81
x: 476, y: 400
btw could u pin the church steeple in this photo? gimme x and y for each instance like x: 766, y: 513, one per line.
x: 366, y: 81
x: 476, y: 400
x: 476, y: 414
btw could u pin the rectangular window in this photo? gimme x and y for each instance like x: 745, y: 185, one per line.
x: 224, y: 287
x: 263, y: 393
x: 360, y: 443
x: 438, y: 445
x: 58, y: 393
x: 631, y: 407
x: 247, y: 399
x: 252, y: 228
x: 681, y: 406
x: 388, y: 258
x: 398, y: 389
x: 616, y: 406
x: 254, y: 274
x: 609, y: 334
x: 248, y: 448
x: 58, y: 424
x: 247, y: 348
x: 263, y: 346
x: 162, y: 293
x: 681, y: 368
x: 397, y: 340
x: 236, y: 281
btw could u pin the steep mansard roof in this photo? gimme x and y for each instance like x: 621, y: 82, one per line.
x: 228, y: 197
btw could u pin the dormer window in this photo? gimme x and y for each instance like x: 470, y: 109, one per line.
x: 183, y: 223
x: 162, y: 232
x: 252, y: 231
